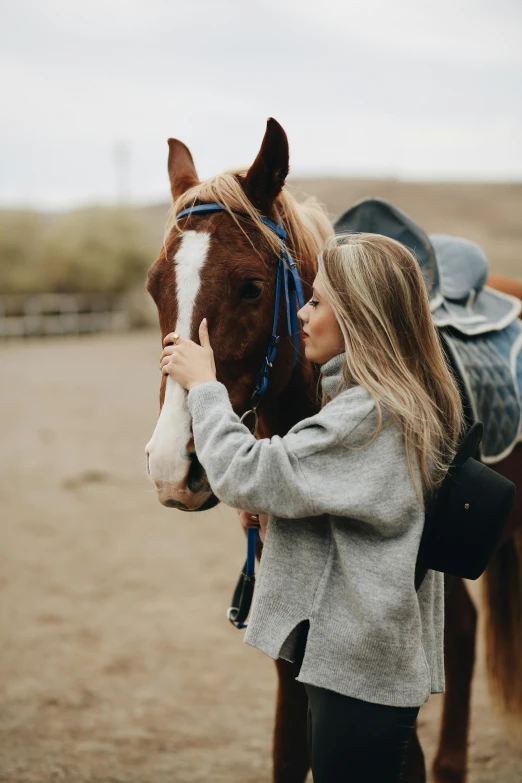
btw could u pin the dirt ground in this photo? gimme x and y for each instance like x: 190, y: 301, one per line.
x: 117, y: 662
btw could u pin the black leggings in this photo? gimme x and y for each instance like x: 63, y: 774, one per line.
x: 354, y: 741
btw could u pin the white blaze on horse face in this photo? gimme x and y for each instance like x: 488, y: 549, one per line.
x: 168, y: 460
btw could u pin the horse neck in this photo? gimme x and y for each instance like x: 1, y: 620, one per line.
x: 298, y: 400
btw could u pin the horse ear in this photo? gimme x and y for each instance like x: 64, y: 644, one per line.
x: 182, y: 172
x: 266, y: 176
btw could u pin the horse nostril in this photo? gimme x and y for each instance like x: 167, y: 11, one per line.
x: 147, y: 458
x: 196, y: 479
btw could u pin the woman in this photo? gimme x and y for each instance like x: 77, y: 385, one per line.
x: 344, y: 492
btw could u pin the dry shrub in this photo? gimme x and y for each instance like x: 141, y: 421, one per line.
x: 109, y: 250
x: 92, y: 250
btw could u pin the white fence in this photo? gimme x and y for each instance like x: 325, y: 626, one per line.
x: 61, y: 314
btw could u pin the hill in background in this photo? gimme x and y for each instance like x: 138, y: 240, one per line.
x: 108, y: 250
x: 487, y: 213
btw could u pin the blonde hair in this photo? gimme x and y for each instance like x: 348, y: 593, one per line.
x: 376, y: 290
x: 306, y: 224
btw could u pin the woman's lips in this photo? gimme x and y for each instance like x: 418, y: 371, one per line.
x: 305, y: 336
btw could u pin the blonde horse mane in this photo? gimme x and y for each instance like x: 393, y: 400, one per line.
x: 307, y: 224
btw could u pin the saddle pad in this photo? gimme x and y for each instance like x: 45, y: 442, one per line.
x: 490, y: 368
x: 487, y: 311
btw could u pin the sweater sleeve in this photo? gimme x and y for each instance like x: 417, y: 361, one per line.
x: 265, y: 475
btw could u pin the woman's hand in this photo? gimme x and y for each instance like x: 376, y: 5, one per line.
x: 259, y: 521
x: 188, y: 363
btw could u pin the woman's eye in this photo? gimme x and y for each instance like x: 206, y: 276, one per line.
x: 313, y: 302
x: 250, y: 290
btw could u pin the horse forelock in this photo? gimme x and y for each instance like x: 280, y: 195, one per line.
x: 307, y: 224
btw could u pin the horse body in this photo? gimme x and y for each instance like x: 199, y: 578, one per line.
x: 501, y: 588
x: 222, y: 266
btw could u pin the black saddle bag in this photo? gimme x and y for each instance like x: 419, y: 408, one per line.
x: 465, y: 521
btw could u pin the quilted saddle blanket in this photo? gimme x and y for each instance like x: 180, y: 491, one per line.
x: 490, y: 368
x: 478, y: 326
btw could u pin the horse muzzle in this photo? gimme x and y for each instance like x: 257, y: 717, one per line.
x: 172, y: 496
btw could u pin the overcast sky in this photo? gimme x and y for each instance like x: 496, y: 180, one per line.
x: 401, y: 88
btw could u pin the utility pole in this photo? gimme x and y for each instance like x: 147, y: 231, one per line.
x: 122, y: 172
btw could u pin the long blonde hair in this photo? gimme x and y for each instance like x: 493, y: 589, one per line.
x: 377, y: 292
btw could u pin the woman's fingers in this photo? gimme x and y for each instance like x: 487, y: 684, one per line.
x: 247, y: 519
x: 171, y: 349
x: 165, y: 361
x: 167, y: 357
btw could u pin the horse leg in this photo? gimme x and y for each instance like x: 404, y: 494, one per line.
x: 290, y: 753
x: 450, y: 765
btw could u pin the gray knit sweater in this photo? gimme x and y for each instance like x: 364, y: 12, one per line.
x: 341, y: 544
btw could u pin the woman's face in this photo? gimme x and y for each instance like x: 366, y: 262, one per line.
x: 323, y: 337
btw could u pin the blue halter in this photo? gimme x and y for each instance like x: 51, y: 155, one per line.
x: 287, y: 277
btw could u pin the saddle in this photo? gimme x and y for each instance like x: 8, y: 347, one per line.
x: 478, y: 326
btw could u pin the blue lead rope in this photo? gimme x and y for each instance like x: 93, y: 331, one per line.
x: 241, y: 602
x: 287, y: 276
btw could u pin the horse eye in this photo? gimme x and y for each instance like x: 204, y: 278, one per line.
x: 250, y: 290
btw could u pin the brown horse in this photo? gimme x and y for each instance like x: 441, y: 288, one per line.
x: 222, y: 266
x: 502, y: 606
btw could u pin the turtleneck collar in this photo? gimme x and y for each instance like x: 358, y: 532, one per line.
x: 331, y: 374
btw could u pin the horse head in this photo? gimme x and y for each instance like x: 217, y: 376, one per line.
x: 222, y: 266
